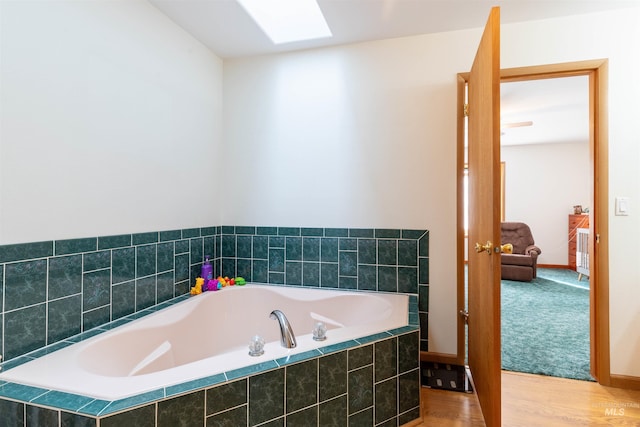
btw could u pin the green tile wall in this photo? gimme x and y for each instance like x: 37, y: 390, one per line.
x: 385, y: 260
x: 374, y: 383
x: 56, y: 289
x: 50, y: 291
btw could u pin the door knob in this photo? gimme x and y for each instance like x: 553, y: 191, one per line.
x: 486, y: 247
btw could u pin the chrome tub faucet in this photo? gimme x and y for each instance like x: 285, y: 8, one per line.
x: 287, y: 337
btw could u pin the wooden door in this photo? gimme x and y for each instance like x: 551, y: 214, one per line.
x: 484, y: 221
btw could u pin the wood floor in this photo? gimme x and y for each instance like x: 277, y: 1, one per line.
x: 533, y: 400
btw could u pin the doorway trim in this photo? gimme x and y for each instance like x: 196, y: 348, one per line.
x: 597, y: 71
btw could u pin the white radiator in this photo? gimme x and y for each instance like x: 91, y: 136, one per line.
x: 582, y: 252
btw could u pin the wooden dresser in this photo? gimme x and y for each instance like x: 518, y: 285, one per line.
x: 575, y: 222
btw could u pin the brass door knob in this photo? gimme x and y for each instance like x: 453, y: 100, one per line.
x: 486, y: 247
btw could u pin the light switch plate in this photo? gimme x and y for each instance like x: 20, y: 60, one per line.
x: 622, y: 206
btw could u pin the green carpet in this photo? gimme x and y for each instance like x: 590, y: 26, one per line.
x: 564, y: 276
x: 545, y: 328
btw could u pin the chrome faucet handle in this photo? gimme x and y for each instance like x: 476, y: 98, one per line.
x: 256, y: 346
x: 320, y: 332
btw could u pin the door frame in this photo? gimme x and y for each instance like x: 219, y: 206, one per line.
x: 597, y: 71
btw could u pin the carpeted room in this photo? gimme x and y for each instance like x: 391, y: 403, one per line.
x: 543, y: 177
x: 545, y: 325
x: 545, y: 322
x: 544, y: 328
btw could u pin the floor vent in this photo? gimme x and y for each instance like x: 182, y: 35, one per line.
x: 444, y: 376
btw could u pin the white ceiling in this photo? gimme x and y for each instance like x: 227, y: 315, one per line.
x: 557, y: 107
x: 227, y: 30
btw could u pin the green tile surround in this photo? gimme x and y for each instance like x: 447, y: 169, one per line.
x: 384, y: 365
x: 124, y: 277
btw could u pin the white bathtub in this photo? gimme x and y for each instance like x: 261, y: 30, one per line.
x: 206, y: 335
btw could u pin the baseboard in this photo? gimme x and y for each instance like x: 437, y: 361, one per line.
x: 554, y: 266
x: 446, y: 358
x: 624, y: 381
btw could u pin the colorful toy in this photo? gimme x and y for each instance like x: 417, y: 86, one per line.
x: 197, y: 289
x: 203, y: 285
x: 212, y: 285
x: 507, y: 248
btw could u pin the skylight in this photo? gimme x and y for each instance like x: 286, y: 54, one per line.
x: 286, y: 21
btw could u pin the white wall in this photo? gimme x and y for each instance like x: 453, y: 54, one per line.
x: 354, y: 136
x: 614, y: 35
x: 364, y: 135
x: 542, y: 184
x: 111, y: 121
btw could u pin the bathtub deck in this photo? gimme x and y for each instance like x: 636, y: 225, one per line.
x: 97, y: 407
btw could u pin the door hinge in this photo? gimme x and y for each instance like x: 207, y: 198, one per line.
x: 465, y: 110
x: 598, y: 238
x: 465, y: 315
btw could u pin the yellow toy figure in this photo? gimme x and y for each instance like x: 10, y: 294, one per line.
x: 197, y: 289
x: 507, y: 248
